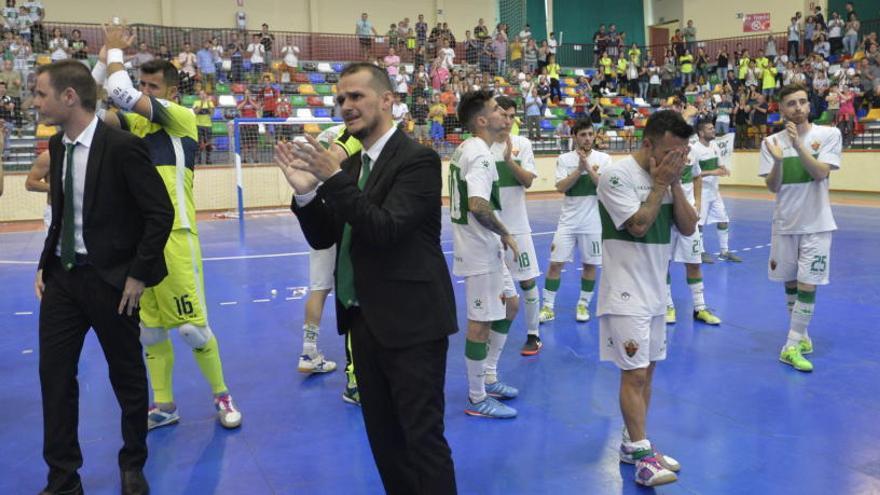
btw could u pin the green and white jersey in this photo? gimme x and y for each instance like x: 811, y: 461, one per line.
x: 802, y: 203
x: 173, y: 140
x: 514, y: 213
x: 690, y: 173
x: 708, y: 159
x: 580, y: 210
x: 472, y: 173
x: 634, y: 269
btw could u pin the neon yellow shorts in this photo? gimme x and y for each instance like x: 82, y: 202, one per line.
x: 180, y: 297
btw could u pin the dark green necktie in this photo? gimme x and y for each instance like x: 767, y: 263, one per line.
x: 344, y: 270
x: 68, y: 240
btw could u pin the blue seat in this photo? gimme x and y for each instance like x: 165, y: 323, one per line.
x: 628, y: 100
x: 321, y: 112
x: 590, y: 72
x: 218, y: 114
x: 221, y: 143
x: 316, y: 78
x: 862, y: 113
x: 772, y: 118
x: 246, y: 65
x: 338, y: 67
x: 337, y: 118
x: 546, y: 125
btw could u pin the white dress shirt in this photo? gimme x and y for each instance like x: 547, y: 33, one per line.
x: 80, y: 165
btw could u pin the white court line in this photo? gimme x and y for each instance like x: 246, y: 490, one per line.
x: 261, y: 300
x: 228, y: 303
x: 15, y: 262
x: 23, y: 313
x: 27, y: 351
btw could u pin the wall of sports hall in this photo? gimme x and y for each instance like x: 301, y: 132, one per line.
x: 264, y: 186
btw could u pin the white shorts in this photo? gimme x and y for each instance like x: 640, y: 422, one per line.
x: 632, y: 342
x: 802, y: 257
x: 47, y: 216
x: 590, y: 246
x: 321, y: 264
x: 686, y: 249
x: 526, y: 266
x: 509, y: 285
x: 485, y: 296
x: 713, y: 211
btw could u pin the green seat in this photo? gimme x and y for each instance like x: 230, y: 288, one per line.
x: 298, y: 101
x: 691, y: 99
x: 638, y: 133
x: 559, y: 112
x: 324, y: 89
x: 219, y: 128
x: 188, y: 100
x: 823, y: 119
x: 222, y: 89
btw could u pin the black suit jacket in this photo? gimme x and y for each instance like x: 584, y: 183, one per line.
x: 127, y: 214
x: 400, y: 275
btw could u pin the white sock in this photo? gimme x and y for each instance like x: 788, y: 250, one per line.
x: 493, y: 355
x: 697, y: 293
x: 476, y: 372
x: 790, y: 298
x: 531, y: 305
x: 549, y: 298
x: 586, y: 297
x: 801, y: 316
x: 310, y: 339
x: 643, y: 444
x: 723, y: 237
x: 669, y: 303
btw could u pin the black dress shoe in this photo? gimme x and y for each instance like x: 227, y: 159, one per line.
x: 134, y: 483
x: 77, y: 490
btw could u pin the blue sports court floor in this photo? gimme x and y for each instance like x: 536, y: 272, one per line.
x: 737, y: 419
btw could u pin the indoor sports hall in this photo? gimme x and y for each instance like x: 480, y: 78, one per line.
x: 736, y: 418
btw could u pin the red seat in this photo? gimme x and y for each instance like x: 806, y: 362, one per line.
x: 238, y: 88
x: 315, y: 101
x: 301, y: 77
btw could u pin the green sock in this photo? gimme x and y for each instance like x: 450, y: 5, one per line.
x: 208, y: 359
x: 551, y: 286
x: 160, y: 365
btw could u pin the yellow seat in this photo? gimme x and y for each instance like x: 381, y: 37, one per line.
x: 569, y: 81
x: 43, y: 60
x: 605, y: 102
x: 46, y: 131
x: 307, y: 89
x: 312, y: 129
x: 874, y: 114
x: 570, y: 91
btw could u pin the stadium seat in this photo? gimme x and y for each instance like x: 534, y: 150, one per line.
x: 324, y: 67
x: 238, y: 88
x: 219, y: 129
x: 329, y: 101
x: 316, y: 78
x: 337, y: 118
x: 301, y: 77
x: 332, y: 78
x: 43, y: 60
x: 307, y: 89
x: 221, y: 143
x: 304, y: 113
x: 324, y: 89
x: 221, y: 89
x: 298, y: 101
x: 226, y: 101
x: 772, y: 118
x: 188, y: 100
x: 454, y: 139
x: 311, y: 129
x: 338, y: 67
x: 218, y: 114
x: 546, y: 125
x: 45, y: 131
x: 315, y: 101
x: 862, y: 113
x: 873, y: 115
x: 321, y: 112
x: 41, y: 146
x: 823, y: 119
x: 579, y: 72
x: 605, y: 102
x: 255, y: 88
x: 570, y: 91
x: 290, y: 89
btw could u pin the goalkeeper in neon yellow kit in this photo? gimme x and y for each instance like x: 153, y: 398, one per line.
x: 179, y: 300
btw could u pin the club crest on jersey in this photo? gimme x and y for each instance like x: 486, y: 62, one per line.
x: 625, y: 296
x: 485, y: 163
x: 478, y: 303
x: 815, y: 145
x: 631, y: 347
x: 614, y: 180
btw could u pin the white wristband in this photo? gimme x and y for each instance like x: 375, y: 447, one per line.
x: 115, y: 56
x: 99, y: 73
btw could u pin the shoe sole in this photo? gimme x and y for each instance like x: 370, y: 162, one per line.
x: 659, y: 481
x: 168, y: 422
x: 530, y: 352
x: 795, y: 367
x: 310, y: 371
x: 707, y: 323
x: 230, y: 426
x: 487, y: 416
x: 582, y: 321
x: 665, y: 464
x: 348, y: 400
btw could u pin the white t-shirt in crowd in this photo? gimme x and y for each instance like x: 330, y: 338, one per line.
x: 259, y: 52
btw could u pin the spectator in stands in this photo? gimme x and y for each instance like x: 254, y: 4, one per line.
x: 257, y: 53
x: 446, y: 54
x: 553, y: 70
x: 643, y: 79
x: 835, y: 33
x: 819, y: 18
x: 21, y: 51
x: 236, y: 61
x: 499, y: 47
x: 78, y: 45
x: 810, y: 29
x: 690, y: 36
x: 58, y: 46
x: 723, y: 111
x: 832, y: 100
x: 563, y: 135
x: 849, y: 11
x: 10, y: 15
x: 759, y: 119
x: 722, y: 63
x: 439, y: 75
x: 543, y: 52
x: 667, y: 75
x: 24, y: 23
x: 206, y: 67
x: 419, y: 115
x: 186, y: 61
x: 612, y: 48
x: 678, y: 43
x: 289, y: 58
x: 702, y: 64
x: 436, y: 114
x: 421, y: 30
x: 654, y: 80
x: 741, y: 121
x: 768, y: 81
x: 392, y: 62
x: 217, y: 53
x: 634, y: 54
x: 267, y: 39
x: 269, y: 95
x: 142, y: 56
x: 400, y: 112
x: 410, y: 42
x: 516, y: 54
x: 392, y: 36
x: 770, y: 48
x: 794, y: 39
x: 851, y: 38
x: 596, y: 114
x: 487, y: 57
x: 822, y: 47
x: 686, y: 62
x: 7, y: 110
x: 403, y: 29
x: 164, y: 53
x: 530, y: 57
x: 249, y: 108
x: 365, y: 32
x: 600, y: 43
x: 533, y: 105
x: 284, y: 111
x: 204, y: 109
x: 472, y: 48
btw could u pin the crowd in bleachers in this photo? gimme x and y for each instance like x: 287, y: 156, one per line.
x: 261, y: 74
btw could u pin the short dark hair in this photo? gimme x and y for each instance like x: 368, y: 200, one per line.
x: 380, y: 80
x: 506, y: 102
x: 471, y: 104
x: 790, y: 89
x: 72, y: 74
x: 701, y: 122
x: 580, y: 125
x: 663, y: 121
x: 169, y: 72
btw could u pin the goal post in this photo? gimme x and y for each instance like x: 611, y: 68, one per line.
x: 253, y: 142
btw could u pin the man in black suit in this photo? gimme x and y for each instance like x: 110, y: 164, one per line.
x: 111, y: 217
x: 381, y: 207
